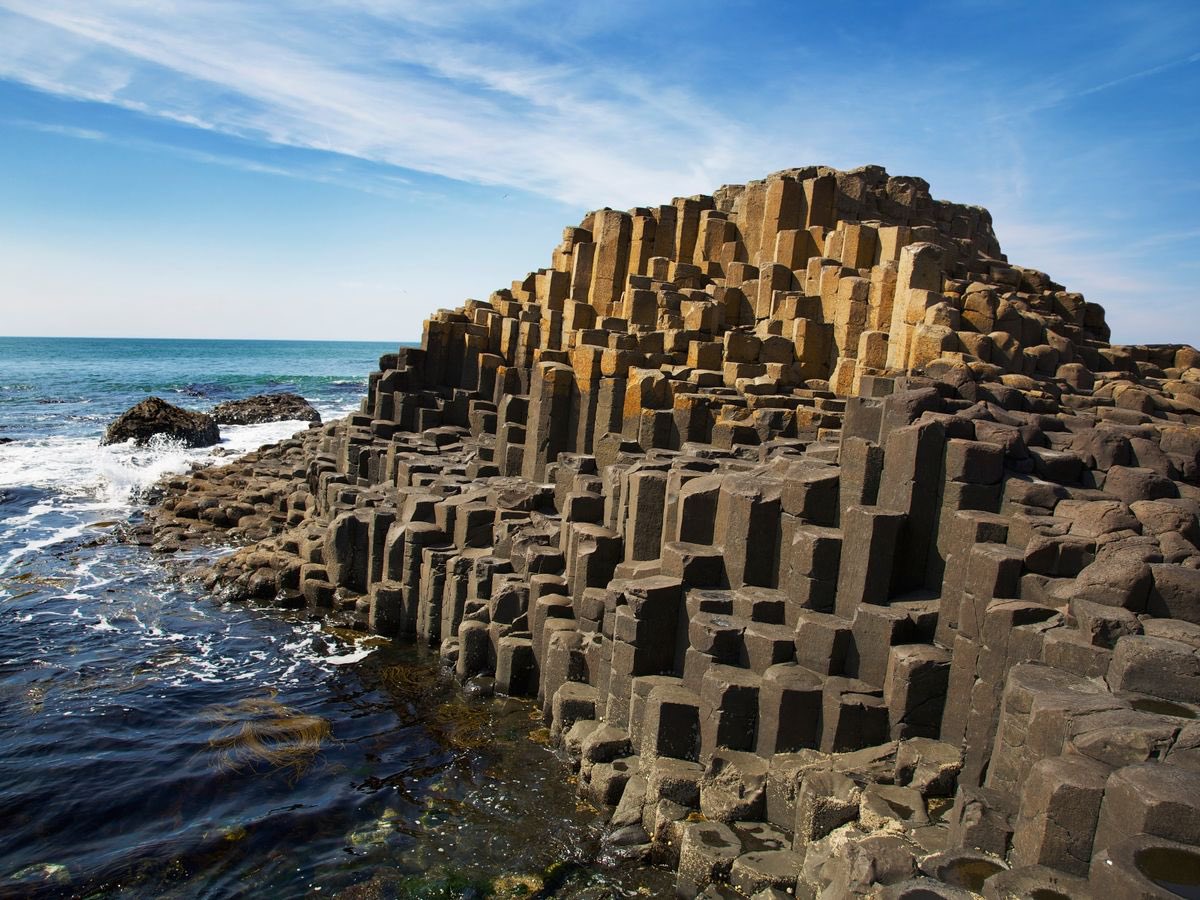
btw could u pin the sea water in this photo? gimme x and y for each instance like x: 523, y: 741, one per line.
x: 154, y: 742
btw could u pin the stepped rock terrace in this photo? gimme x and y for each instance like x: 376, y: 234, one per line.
x: 843, y: 556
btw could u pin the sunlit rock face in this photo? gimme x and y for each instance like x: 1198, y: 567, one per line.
x: 156, y: 418
x: 839, y: 553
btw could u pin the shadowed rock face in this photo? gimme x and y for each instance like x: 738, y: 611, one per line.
x: 155, y: 416
x: 796, y: 502
x: 265, y: 408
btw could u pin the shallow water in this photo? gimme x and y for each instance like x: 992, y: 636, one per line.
x: 156, y: 743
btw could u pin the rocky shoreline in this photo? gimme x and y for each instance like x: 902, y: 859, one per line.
x: 843, y: 557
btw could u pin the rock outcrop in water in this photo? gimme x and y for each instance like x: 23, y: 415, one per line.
x: 154, y: 416
x: 281, y: 407
x: 842, y: 556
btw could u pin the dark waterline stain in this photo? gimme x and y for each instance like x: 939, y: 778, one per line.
x: 1176, y: 871
x: 1163, y: 707
x: 968, y: 873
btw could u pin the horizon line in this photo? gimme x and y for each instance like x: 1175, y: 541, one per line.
x: 87, y: 337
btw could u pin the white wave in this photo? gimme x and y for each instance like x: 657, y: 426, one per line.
x: 80, y: 466
x: 22, y: 520
x: 88, y: 482
x: 330, y: 412
x: 347, y: 658
x: 33, y: 545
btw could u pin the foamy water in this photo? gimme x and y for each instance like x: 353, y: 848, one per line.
x: 77, y: 488
x: 78, y: 482
x: 63, y: 576
x: 81, y: 465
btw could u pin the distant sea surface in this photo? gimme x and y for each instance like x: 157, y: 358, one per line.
x: 155, y: 743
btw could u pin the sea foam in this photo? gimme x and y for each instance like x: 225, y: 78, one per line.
x: 77, y: 482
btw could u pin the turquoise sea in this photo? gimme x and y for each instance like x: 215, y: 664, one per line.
x: 141, y: 721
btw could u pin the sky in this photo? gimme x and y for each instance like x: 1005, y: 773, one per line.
x: 339, y: 169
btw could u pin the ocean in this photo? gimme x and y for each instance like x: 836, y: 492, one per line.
x: 157, y: 743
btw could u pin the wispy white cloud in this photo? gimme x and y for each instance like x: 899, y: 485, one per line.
x: 1063, y: 88
x: 1138, y: 75
x: 410, y: 92
x: 71, y: 131
x: 380, y: 184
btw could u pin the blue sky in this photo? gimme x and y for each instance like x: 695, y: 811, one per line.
x: 340, y: 168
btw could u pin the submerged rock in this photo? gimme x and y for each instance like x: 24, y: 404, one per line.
x: 156, y: 416
x: 282, y: 407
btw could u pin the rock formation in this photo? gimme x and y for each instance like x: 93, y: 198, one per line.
x: 842, y: 556
x: 154, y: 416
x: 281, y: 407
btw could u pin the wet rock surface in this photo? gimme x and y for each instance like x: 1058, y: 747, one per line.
x: 795, y: 507
x: 281, y: 407
x: 154, y: 416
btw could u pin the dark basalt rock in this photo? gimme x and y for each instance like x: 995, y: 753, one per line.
x: 156, y: 416
x: 265, y: 408
x: 758, y: 582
